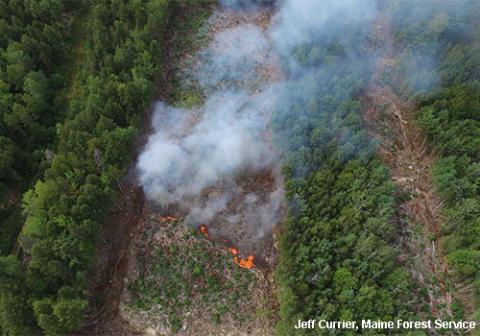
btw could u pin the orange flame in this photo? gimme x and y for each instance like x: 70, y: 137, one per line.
x: 247, y: 263
x: 243, y: 263
x: 167, y: 218
x: 204, y: 230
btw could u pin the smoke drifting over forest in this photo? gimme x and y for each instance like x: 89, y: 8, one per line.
x: 195, y: 149
x: 199, y: 148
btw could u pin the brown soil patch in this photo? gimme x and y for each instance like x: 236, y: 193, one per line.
x: 112, y: 261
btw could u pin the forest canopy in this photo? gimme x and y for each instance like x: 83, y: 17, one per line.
x: 89, y: 136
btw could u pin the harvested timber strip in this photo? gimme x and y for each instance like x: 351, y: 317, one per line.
x: 403, y: 148
x: 186, y: 282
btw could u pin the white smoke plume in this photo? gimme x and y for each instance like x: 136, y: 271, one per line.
x: 234, y: 56
x: 227, y: 138
x: 192, y: 150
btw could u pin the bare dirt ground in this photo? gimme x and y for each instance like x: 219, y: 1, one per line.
x: 403, y: 148
x: 134, y: 225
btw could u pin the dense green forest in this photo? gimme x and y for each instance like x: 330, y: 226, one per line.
x: 119, y: 53
x: 34, y: 47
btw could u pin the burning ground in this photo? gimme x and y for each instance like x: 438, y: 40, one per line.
x: 180, y: 281
x: 202, y: 263
x: 214, y: 164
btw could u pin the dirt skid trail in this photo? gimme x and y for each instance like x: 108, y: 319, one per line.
x: 402, y: 147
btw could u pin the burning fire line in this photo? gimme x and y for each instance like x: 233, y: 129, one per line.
x: 242, y: 262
